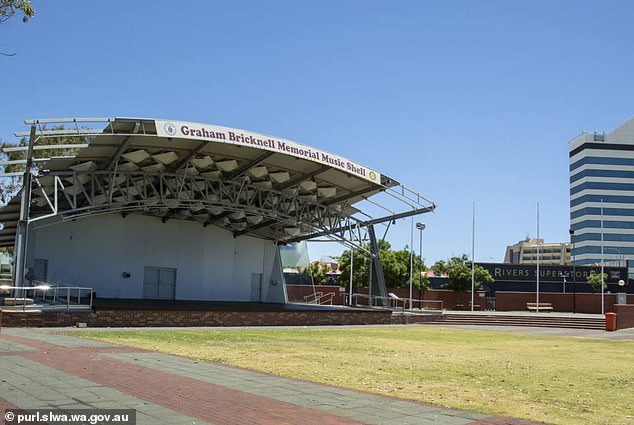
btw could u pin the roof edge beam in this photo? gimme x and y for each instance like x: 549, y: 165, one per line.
x: 123, y: 147
x: 46, y: 147
x: 63, y: 120
x: 367, y: 223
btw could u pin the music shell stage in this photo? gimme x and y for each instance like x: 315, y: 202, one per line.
x: 147, y: 209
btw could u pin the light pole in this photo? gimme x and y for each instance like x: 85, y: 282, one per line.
x: 411, y: 262
x: 602, y: 261
x: 420, y: 227
x: 473, y: 256
x: 351, y: 273
x: 574, y: 272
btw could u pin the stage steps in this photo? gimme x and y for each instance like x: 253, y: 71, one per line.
x: 543, y: 320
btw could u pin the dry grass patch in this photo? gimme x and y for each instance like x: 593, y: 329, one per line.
x: 558, y: 380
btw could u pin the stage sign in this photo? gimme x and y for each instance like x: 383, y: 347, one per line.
x: 214, y: 133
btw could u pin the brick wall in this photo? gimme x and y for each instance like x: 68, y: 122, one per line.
x: 406, y: 319
x: 624, y: 316
x: 580, y: 303
x: 134, y: 318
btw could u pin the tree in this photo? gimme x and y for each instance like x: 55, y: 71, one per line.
x: 10, y: 8
x: 361, y: 267
x: 9, y: 186
x: 318, y: 274
x: 595, y: 280
x: 440, y: 267
x: 422, y: 284
x: 458, y: 271
x: 396, y: 266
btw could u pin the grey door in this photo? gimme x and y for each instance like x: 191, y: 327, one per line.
x: 40, y: 270
x: 159, y: 283
x: 256, y: 287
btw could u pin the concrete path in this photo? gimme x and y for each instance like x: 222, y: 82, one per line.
x: 42, y: 370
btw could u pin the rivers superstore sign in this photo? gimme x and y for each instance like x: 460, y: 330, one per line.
x: 528, y: 273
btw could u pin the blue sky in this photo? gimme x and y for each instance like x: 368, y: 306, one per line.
x: 463, y: 101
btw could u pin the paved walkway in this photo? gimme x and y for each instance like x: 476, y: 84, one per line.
x: 42, y: 370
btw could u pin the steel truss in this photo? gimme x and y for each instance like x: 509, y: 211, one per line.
x: 74, y: 195
x: 229, y: 200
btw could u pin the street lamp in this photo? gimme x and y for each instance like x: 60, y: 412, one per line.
x: 621, y: 297
x: 602, y: 265
x: 421, y: 227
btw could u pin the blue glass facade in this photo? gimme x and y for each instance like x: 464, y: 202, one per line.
x: 602, y: 173
x: 601, y: 161
x: 606, y: 212
x: 602, y: 196
x: 597, y: 199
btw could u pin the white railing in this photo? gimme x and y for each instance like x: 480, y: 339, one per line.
x: 46, y: 296
x: 319, y: 298
x: 396, y: 302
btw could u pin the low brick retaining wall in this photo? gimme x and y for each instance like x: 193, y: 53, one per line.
x: 403, y: 318
x: 141, y: 318
x: 624, y: 316
x: 581, y: 302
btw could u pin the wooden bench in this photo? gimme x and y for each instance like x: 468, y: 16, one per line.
x: 542, y: 306
x: 466, y: 307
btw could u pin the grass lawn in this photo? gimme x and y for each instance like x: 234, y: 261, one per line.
x: 558, y: 380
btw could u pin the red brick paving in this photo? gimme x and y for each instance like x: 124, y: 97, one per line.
x: 6, y: 405
x: 191, y: 397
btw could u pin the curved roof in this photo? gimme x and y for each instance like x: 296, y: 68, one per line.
x: 246, y: 182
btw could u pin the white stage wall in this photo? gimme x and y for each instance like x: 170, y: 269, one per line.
x: 99, y: 251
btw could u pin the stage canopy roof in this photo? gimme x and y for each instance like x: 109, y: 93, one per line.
x: 245, y: 182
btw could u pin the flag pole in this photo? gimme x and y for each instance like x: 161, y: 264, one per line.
x: 537, y: 308
x: 473, y: 256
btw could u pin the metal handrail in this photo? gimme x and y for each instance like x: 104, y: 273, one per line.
x: 314, y: 296
x: 326, y: 298
x: 422, y: 304
x: 319, y: 297
x: 57, y: 293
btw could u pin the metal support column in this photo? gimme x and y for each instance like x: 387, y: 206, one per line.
x: 23, y: 224
x: 377, y: 283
